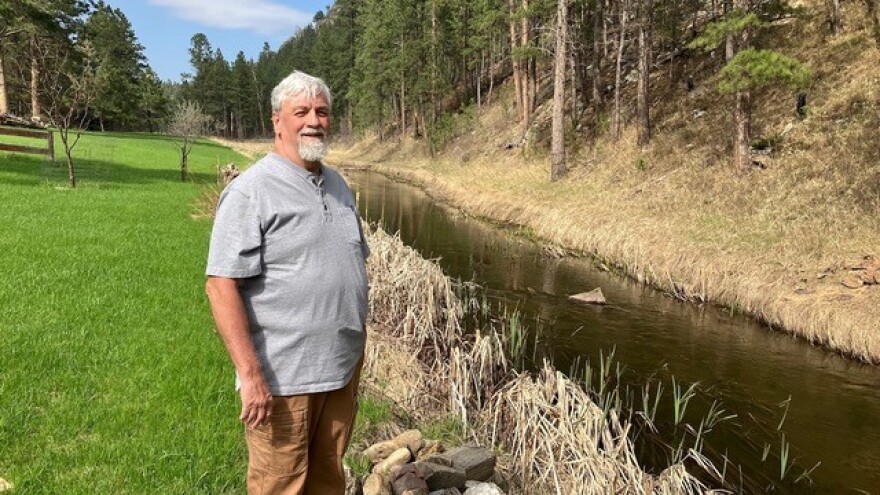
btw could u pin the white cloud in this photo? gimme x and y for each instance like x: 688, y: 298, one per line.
x: 261, y: 16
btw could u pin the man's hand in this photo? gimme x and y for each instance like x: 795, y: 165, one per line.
x: 256, y: 401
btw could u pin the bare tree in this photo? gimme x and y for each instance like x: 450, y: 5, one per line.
x: 557, y: 153
x: 69, y: 86
x: 188, y: 122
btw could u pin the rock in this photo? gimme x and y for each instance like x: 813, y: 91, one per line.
x: 852, y: 282
x: 409, y: 484
x: 446, y: 491
x: 442, y: 459
x: 500, y: 480
x: 6, y: 486
x: 375, y: 485
x: 431, y: 447
x: 484, y: 489
x: 380, y: 451
x: 411, y: 439
x: 438, y: 476
x: 478, y: 463
x: 397, y: 458
x: 594, y: 296
x: 352, y: 483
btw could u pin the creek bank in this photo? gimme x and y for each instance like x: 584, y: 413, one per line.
x: 556, y: 438
x: 812, y: 303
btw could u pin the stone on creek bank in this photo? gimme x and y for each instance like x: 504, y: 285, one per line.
x: 483, y: 489
x: 594, y: 296
x: 435, y: 472
x: 375, y: 485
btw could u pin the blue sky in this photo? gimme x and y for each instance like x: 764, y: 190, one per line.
x: 165, y: 27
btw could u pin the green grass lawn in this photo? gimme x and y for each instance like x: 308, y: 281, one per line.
x: 112, y: 379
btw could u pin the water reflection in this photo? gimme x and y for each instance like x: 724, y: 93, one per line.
x: 835, y: 403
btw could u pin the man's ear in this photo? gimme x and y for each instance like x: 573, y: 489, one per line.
x: 276, y: 120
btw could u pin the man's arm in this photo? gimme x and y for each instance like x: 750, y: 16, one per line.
x: 232, y: 324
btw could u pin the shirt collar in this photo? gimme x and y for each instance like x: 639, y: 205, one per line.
x: 300, y: 171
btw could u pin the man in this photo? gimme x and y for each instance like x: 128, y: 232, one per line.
x: 288, y: 290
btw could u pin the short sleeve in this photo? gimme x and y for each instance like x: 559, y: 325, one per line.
x: 236, y: 239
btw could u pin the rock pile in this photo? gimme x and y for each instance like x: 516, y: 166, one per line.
x: 410, y: 465
x: 865, y: 272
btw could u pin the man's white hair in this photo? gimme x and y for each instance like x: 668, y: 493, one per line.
x: 298, y: 83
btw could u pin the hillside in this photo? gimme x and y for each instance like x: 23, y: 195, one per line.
x: 783, y: 242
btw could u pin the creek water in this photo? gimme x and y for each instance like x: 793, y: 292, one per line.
x: 833, y: 403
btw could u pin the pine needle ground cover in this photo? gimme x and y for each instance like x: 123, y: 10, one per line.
x: 111, y: 377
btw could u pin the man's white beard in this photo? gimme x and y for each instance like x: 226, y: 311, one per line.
x: 311, y: 149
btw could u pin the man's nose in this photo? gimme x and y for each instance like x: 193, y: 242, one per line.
x: 312, y: 119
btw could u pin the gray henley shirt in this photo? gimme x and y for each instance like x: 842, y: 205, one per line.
x: 294, y: 241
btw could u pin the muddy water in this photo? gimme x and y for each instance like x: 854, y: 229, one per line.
x: 833, y: 417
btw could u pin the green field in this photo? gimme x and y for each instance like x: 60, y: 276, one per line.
x: 111, y: 377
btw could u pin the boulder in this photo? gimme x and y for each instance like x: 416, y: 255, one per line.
x: 852, y: 282
x: 594, y: 296
x: 411, y: 439
x: 375, y: 485
x: 478, y: 463
x: 483, y: 489
x: 438, y: 476
x: 397, y: 458
x: 377, y: 453
x: 446, y: 491
x: 409, y: 483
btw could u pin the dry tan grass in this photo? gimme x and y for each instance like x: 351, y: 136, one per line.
x: 674, y: 215
x: 251, y: 148
x: 558, y: 440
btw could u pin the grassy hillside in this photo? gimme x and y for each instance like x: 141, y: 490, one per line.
x: 111, y: 376
x: 777, y: 243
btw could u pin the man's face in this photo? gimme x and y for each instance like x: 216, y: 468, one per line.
x: 301, y: 129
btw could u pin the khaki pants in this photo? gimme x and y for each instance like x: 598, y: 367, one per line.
x: 300, y: 450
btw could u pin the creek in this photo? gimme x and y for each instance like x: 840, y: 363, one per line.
x: 833, y: 403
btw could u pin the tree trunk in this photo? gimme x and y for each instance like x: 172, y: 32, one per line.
x: 64, y: 133
x: 617, y: 73
x: 742, y: 110
x: 834, y: 22
x: 526, y: 76
x: 597, y: 57
x: 517, y: 78
x: 402, y: 106
x: 644, y: 129
x: 742, y: 145
x: 36, y: 111
x: 4, y: 104
x: 874, y: 15
x: 183, y: 163
x: 434, y: 72
x: 557, y: 148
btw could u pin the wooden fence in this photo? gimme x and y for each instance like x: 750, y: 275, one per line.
x: 49, y: 150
